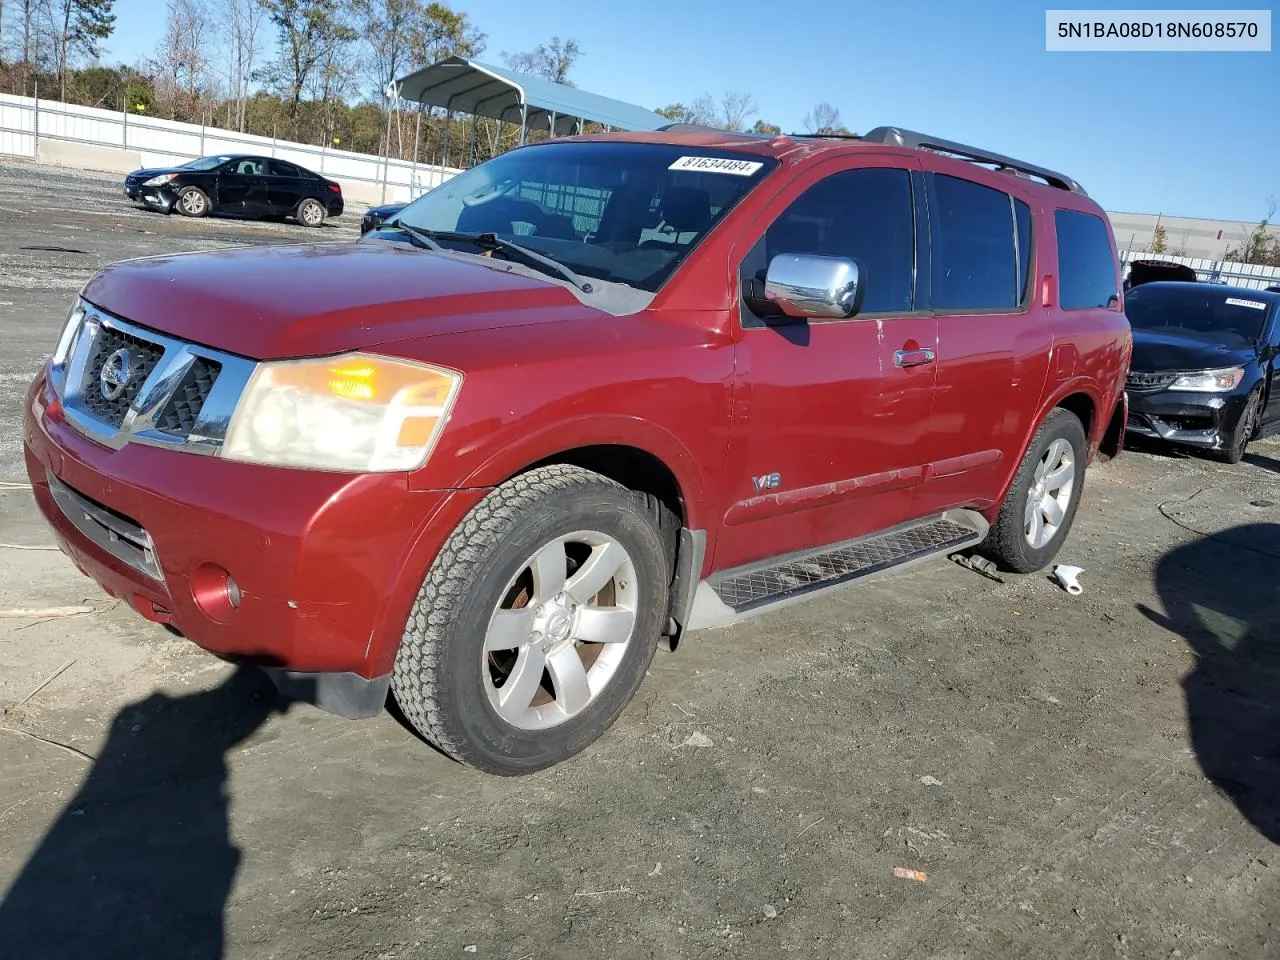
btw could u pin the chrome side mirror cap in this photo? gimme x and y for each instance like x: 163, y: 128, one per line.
x: 807, y: 285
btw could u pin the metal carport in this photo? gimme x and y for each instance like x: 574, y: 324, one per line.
x: 466, y: 86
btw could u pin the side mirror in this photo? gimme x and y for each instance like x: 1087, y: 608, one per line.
x: 807, y: 285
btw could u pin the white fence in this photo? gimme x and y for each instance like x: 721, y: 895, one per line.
x: 29, y: 127
x: 1251, y: 275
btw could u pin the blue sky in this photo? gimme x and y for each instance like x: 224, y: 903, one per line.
x: 1185, y: 134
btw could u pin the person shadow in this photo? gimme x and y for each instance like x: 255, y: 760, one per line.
x: 1222, y: 595
x: 140, y: 863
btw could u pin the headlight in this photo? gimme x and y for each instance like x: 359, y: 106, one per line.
x: 1210, y: 381
x: 66, y: 344
x: 160, y: 180
x: 354, y: 413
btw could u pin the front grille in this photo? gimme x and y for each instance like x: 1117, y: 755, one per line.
x: 1148, y: 382
x: 180, y: 414
x: 120, y: 536
x: 142, y: 357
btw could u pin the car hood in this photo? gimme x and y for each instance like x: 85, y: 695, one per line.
x: 148, y: 173
x: 298, y: 300
x: 1158, y: 351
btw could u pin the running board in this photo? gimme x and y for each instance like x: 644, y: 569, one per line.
x: 746, y: 591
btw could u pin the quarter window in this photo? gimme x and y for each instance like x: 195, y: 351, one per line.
x: 1086, y: 267
x: 977, y: 265
x: 866, y: 215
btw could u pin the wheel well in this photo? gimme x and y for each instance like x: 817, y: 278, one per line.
x: 1082, y: 406
x: 632, y: 467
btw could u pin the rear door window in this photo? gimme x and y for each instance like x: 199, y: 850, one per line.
x: 1086, y: 268
x: 867, y: 215
x: 279, y: 168
x: 980, y: 247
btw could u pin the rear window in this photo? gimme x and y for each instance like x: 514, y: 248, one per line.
x: 1086, y: 269
x: 1199, y: 311
x: 981, y: 247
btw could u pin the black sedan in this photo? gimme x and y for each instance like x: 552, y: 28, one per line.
x: 240, y: 185
x: 1203, y: 373
x: 376, y: 216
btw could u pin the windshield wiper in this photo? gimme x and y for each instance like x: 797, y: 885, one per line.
x: 417, y: 236
x: 491, y: 241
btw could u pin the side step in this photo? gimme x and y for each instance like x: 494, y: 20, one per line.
x: 782, y: 580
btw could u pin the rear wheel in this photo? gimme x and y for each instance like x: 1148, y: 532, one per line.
x: 1246, y: 427
x: 193, y: 202
x: 311, y: 213
x: 536, y: 623
x: 1041, y: 504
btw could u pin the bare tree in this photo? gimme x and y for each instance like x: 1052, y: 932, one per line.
x: 1260, y: 244
x: 735, y: 107
x: 241, y: 25
x: 824, y: 118
x: 552, y: 62
x: 182, y: 60
x: 310, y: 33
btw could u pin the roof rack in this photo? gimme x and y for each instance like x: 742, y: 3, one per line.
x: 898, y: 137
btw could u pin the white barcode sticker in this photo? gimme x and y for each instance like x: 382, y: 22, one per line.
x: 739, y: 168
x: 1252, y: 304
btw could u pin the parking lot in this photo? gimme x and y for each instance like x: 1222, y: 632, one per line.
x: 1087, y: 776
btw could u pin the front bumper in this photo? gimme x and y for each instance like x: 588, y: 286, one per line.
x: 157, y: 198
x: 327, y: 565
x: 1205, y: 420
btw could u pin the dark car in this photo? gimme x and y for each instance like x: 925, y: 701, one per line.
x: 1203, y: 372
x: 240, y: 185
x: 376, y: 216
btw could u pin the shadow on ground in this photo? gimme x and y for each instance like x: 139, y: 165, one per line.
x: 1262, y: 462
x: 1222, y: 595
x: 140, y: 863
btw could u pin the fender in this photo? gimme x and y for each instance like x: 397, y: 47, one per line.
x: 1060, y: 391
x: 509, y: 458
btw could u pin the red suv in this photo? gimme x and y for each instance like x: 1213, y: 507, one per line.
x: 591, y: 394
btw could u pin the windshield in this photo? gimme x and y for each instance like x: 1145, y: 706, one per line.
x: 205, y: 163
x: 1202, y: 311
x: 623, y: 212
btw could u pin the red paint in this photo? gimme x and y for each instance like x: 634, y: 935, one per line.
x: 328, y: 565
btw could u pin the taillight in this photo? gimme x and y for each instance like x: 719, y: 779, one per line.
x: 335, y: 188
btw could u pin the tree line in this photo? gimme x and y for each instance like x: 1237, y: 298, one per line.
x: 312, y: 71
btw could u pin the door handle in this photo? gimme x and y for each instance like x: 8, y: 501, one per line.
x: 913, y: 358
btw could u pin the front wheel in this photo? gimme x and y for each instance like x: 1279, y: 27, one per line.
x: 536, y: 623
x: 1040, y: 506
x: 193, y: 202
x: 1233, y: 450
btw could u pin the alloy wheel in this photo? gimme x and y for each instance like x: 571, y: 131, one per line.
x: 561, y: 630
x: 1052, y: 486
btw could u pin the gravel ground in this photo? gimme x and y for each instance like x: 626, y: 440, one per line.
x: 1091, y: 776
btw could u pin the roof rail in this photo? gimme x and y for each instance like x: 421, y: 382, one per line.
x: 704, y: 128
x: 898, y: 137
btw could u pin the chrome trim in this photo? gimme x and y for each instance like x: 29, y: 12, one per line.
x: 118, y: 536
x: 807, y: 285
x: 138, y: 425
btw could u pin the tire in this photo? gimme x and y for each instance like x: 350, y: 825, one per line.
x: 1009, y: 542
x: 192, y: 202
x: 451, y: 688
x: 1246, y: 426
x: 311, y: 213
